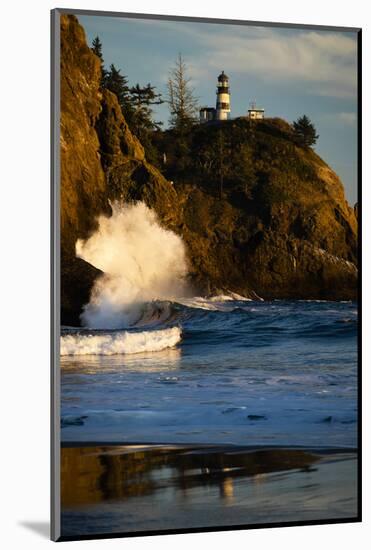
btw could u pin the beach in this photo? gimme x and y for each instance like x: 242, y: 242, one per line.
x: 138, y: 488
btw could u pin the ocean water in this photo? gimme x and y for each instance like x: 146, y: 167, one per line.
x: 216, y: 371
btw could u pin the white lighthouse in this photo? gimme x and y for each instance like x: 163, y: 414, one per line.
x: 223, y: 104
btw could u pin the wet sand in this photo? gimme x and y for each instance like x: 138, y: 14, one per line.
x: 119, y: 488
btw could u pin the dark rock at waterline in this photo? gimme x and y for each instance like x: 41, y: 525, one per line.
x: 281, y: 227
x: 77, y: 280
x: 73, y: 421
x: 256, y: 417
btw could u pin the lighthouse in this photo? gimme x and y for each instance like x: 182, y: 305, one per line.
x: 223, y: 105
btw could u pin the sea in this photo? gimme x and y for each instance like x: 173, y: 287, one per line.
x: 210, y: 413
x: 216, y: 370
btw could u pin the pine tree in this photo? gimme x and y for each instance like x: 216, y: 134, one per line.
x: 97, y: 50
x: 305, y: 131
x: 181, y: 99
x: 142, y: 123
x: 142, y: 99
x: 117, y: 83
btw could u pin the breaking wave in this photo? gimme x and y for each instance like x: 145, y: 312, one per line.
x: 220, y: 302
x: 141, y: 261
x: 121, y: 342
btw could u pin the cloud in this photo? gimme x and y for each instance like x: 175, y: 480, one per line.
x: 344, y: 118
x: 321, y: 63
x: 324, y: 61
x: 348, y: 118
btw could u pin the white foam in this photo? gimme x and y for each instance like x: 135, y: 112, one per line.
x: 231, y: 296
x: 221, y: 302
x: 122, y: 342
x: 141, y: 261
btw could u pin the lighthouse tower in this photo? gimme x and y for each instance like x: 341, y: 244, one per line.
x: 223, y: 106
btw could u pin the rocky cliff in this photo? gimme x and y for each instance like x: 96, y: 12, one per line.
x: 280, y: 227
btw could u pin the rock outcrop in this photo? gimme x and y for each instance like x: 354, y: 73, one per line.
x: 286, y: 231
x: 83, y: 183
x: 283, y: 229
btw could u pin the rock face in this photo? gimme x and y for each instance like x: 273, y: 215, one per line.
x: 83, y: 185
x: 285, y: 232
x: 83, y: 189
x: 129, y: 176
x: 283, y: 229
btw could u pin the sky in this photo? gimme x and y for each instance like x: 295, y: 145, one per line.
x: 288, y: 72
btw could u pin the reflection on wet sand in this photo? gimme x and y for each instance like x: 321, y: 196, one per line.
x: 226, y: 490
x: 130, y: 488
x: 95, y: 474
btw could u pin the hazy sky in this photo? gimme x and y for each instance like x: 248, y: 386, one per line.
x: 289, y: 72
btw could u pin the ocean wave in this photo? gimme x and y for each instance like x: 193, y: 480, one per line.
x: 165, y: 312
x: 221, y: 302
x: 228, y: 297
x: 122, y: 342
x: 155, y: 312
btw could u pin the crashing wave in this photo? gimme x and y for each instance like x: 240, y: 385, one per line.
x: 141, y: 261
x: 122, y: 342
x: 220, y: 302
x: 229, y: 297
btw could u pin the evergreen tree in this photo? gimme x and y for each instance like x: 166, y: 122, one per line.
x: 142, y: 99
x: 117, y: 83
x: 222, y: 159
x: 142, y: 123
x: 305, y: 131
x: 181, y: 99
x: 97, y: 50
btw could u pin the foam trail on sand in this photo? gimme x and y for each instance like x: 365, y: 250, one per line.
x: 121, y: 342
x: 141, y: 261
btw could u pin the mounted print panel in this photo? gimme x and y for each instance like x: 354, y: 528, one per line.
x: 205, y: 239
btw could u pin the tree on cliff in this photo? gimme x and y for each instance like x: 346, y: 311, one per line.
x: 221, y: 158
x: 142, y: 123
x: 97, y: 50
x: 181, y: 99
x: 142, y: 99
x: 117, y: 83
x: 305, y: 131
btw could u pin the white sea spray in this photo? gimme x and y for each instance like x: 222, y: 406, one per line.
x: 141, y: 262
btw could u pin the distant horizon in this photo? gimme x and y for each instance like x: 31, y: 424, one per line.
x: 288, y: 72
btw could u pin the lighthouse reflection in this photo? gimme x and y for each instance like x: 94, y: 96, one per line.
x: 91, y: 474
x: 226, y: 489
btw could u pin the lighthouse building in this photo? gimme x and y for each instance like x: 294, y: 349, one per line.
x: 223, y: 103
x: 255, y: 112
x: 222, y: 111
